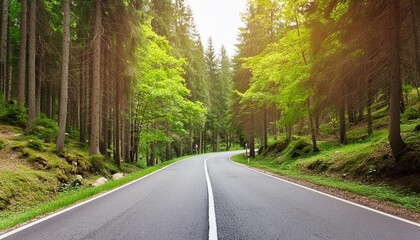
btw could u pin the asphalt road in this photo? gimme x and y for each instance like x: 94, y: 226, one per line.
x: 174, y: 204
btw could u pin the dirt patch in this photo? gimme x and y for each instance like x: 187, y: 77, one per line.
x: 362, y: 200
x: 11, y: 160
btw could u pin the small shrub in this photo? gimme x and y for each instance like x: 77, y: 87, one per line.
x: 99, y: 165
x: 45, y: 129
x: 417, y: 128
x: 275, y: 148
x: 12, y: 114
x: 141, y: 165
x: 298, y: 148
x: 36, y: 144
x: 411, y: 114
x: 79, y: 163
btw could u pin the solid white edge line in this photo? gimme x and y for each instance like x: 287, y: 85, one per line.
x: 212, y: 212
x: 331, y: 196
x: 19, y: 229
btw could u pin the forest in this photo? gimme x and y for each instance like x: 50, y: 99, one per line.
x: 130, y: 81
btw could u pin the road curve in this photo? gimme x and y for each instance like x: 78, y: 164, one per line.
x: 174, y: 204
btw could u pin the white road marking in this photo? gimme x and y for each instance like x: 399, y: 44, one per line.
x: 331, y: 196
x: 7, y: 234
x: 212, y: 212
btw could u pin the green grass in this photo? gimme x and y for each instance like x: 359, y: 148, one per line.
x: 72, y: 197
x: 389, y: 194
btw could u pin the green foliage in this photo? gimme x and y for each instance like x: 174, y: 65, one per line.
x: 98, y: 164
x: 45, y: 129
x: 411, y: 114
x: 37, y: 186
x: 297, y: 149
x: 160, y: 94
x: 36, y: 144
x: 12, y: 114
x: 275, y: 148
x: 141, y: 165
x: 279, y: 73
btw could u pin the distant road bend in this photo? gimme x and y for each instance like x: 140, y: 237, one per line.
x: 209, y: 196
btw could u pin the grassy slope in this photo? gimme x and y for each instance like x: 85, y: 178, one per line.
x: 35, y: 180
x: 71, y: 197
x: 365, y: 166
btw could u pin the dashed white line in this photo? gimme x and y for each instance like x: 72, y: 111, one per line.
x: 212, y: 212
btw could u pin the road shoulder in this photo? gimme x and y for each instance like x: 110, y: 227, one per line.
x: 351, y: 197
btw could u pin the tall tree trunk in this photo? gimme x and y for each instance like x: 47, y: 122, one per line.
x: 117, y: 152
x: 342, y: 119
x: 152, y: 159
x: 82, y: 101
x: 22, y: 53
x: 105, y: 101
x: 127, y: 134
x: 251, y: 144
x: 200, y: 147
x: 39, y: 78
x: 31, y: 65
x: 8, y: 66
x: 217, y: 141
x: 168, y: 143
x: 64, y: 78
x: 369, y: 98
x: 95, y: 117
x: 3, y: 46
x: 397, y: 144
x: 415, y: 18
x: 265, y: 140
x: 191, y: 152
x: 205, y: 139
x: 311, y: 126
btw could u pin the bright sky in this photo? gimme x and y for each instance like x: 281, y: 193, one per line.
x: 220, y: 20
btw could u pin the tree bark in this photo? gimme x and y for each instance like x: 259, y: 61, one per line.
x: 22, y: 54
x: 311, y: 126
x: 39, y: 78
x: 82, y: 101
x: 3, y: 45
x: 117, y: 152
x: 64, y: 78
x: 415, y: 18
x: 95, y: 117
x: 105, y: 101
x: 342, y: 119
x: 369, y: 98
x: 200, y: 147
x: 8, y: 66
x: 397, y: 144
x: 168, y: 143
x: 217, y: 141
x: 251, y: 144
x: 31, y: 65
